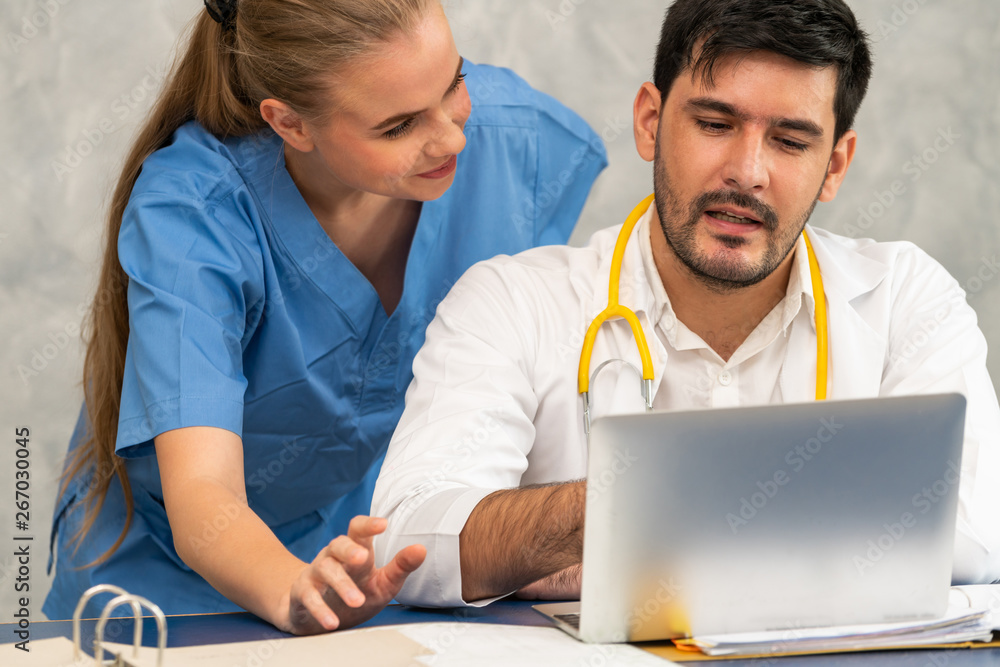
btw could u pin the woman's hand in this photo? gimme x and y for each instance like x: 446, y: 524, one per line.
x: 342, y: 587
x: 562, y: 585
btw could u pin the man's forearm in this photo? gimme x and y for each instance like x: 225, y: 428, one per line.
x: 518, y: 536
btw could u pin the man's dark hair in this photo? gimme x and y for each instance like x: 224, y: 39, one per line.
x: 819, y: 33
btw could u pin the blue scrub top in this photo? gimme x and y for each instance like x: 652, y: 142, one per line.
x: 244, y: 315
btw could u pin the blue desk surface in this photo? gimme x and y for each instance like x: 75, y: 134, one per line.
x: 220, y: 628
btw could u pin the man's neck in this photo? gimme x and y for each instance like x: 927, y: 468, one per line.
x: 723, y: 319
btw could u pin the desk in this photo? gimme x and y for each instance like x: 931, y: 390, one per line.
x: 218, y: 628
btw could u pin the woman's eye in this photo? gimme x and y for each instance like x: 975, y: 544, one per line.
x: 458, y: 82
x: 399, y: 130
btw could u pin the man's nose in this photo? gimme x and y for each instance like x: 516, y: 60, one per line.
x: 746, y: 166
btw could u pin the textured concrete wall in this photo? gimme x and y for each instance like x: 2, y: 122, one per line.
x: 76, y: 76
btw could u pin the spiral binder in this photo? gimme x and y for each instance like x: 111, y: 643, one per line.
x: 137, y: 602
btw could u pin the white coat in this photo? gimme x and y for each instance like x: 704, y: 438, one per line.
x: 494, y: 400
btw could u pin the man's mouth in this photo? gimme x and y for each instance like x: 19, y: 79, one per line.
x: 728, y: 217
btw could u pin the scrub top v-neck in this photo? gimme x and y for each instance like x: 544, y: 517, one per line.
x: 244, y: 315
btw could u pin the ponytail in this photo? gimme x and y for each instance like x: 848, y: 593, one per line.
x: 284, y: 49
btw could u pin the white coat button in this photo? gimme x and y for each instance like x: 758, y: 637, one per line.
x: 725, y: 379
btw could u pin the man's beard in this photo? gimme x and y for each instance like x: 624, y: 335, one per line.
x: 724, y: 271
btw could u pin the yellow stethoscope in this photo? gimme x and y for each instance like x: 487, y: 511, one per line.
x: 615, y: 309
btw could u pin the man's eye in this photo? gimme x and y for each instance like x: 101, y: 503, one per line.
x: 712, y: 126
x: 399, y: 130
x: 793, y: 145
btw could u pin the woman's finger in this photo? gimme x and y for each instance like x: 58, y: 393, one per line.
x: 341, y: 582
x: 366, y: 527
x: 403, y: 563
x: 317, y: 607
x: 345, y: 550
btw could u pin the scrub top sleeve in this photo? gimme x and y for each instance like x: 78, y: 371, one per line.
x: 570, y: 157
x: 195, y: 294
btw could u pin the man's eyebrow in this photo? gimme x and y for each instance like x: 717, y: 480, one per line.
x: 802, y: 125
x: 400, y: 117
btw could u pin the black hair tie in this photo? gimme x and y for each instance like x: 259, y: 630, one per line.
x: 222, y: 12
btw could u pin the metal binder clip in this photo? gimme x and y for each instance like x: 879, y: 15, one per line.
x: 84, y: 599
x: 123, y: 597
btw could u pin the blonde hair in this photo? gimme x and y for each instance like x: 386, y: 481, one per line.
x: 282, y: 49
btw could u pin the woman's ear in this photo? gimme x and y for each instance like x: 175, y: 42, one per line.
x: 840, y: 160
x: 646, y: 120
x: 287, y: 124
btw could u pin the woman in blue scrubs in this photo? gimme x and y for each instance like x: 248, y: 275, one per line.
x: 312, y: 181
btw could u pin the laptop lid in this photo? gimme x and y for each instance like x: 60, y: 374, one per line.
x: 770, y: 517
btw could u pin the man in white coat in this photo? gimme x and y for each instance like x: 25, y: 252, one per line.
x: 747, y: 123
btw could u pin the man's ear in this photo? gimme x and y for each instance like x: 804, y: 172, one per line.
x: 646, y: 120
x: 843, y: 153
x: 287, y: 124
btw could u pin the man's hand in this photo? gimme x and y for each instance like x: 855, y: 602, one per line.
x: 342, y: 587
x: 563, y: 585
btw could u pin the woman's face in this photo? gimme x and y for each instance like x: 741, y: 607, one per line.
x: 400, y: 113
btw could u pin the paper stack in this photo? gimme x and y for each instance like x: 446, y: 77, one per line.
x: 969, y: 618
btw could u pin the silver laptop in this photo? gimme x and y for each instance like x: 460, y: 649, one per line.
x: 768, y: 518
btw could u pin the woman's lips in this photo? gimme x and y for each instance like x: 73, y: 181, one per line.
x: 443, y: 170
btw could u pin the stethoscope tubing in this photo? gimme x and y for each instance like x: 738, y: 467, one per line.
x: 616, y: 309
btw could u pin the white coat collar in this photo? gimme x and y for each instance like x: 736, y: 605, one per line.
x: 857, y: 352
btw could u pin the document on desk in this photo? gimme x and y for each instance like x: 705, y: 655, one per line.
x: 53, y: 652
x: 410, y: 645
x: 377, y: 647
x: 970, y: 617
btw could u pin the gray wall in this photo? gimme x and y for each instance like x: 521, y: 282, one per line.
x: 77, y: 76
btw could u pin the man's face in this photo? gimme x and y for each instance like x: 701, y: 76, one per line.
x: 739, y: 166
